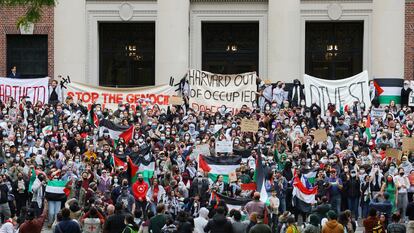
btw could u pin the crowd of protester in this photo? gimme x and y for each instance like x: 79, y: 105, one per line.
x: 356, y: 181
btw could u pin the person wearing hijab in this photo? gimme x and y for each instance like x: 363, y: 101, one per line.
x: 201, y: 221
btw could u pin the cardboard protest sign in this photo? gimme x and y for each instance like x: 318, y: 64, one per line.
x: 203, y: 149
x: 233, y: 176
x: 320, y: 135
x: 110, y: 97
x: 176, y: 100
x: 339, y: 92
x: 393, y: 153
x: 210, y: 91
x: 224, y: 146
x: 249, y: 125
x: 408, y: 144
x: 34, y: 89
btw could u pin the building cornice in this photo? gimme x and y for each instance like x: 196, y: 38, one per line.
x: 229, y: 1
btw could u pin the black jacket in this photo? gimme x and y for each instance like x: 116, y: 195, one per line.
x: 200, y: 189
x: 404, y: 96
x: 219, y: 224
x: 4, y: 193
x: 115, y: 223
x: 351, y: 187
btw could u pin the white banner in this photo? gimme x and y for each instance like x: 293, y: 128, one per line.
x: 411, y: 99
x: 36, y: 89
x: 339, y: 92
x: 211, y: 91
x: 110, y: 97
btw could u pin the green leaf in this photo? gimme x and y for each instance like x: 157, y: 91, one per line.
x: 34, y: 9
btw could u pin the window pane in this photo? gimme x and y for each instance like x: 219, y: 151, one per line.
x: 230, y: 47
x: 127, y: 54
x: 29, y: 54
x: 334, y: 50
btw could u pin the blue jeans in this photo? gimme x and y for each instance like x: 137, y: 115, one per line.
x: 353, y: 205
x: 336, y: 203
x: 53, y: 209
x: 365, y: 208
x: 282, y: 205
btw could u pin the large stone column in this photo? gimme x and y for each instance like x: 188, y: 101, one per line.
x: 284, y: 40
x: 70, y: 39
x: 388, y: 38
x: 172, y: 40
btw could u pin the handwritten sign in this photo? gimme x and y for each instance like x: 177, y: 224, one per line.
x: 393, y: 153
x: 232, y: 176
x: 249, y: 125
x: 224, y: 146
x: 211, y: 91
x: 203, y: 149
x: 320, y: 135
x: 176, y: 100
x: 377, y: 112
x: 408, y: 144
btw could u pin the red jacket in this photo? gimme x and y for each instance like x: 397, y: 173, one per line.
x: 139, y: 190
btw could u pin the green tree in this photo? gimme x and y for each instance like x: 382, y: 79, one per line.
x: 34, y: 9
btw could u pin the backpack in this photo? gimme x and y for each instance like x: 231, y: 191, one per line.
x: 130, y: 230
x: 378, y: 228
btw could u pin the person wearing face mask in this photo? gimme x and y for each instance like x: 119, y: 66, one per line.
x: 405, y: 93
x: 38, y: 188
x: 406, y: 165
x: 335, y: 187
x: 139, y: 190
x: 20, y: 191
x: 402, y: 183
x: 352, y: 190
x: 390, y: 188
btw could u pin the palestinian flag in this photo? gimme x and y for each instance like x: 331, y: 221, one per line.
x: 118, y: 162
x: 145, y: 166
x: 391, y: 89
x: 232, y: 203
x: 93, y: 118
x: 216, y: 166
x: 368, y: 128
x: 32, y: 179
x: 117, y: 131
x: 56, y: 190
x: 302, y: 191
x: 47, y: 130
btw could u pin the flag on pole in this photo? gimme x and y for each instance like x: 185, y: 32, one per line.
x: 93, y: 118
x: 368, y: 128
x: 32, y: 179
